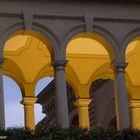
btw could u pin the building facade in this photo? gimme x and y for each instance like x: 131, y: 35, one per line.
x: 76, y: 41
x: 101, y: 109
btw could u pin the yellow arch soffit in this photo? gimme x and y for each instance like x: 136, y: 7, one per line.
x: 43, y: 74
x: 31, y: 35
x: 72, y: 80
x: 40, y: 46
x: 15, y: 78
x: 20, y: 50
x: 11, y: 63
x: 96, y: 56
x: 104, y: 43
x: 72, y: 83
x: 103, y: 72
x: 134, y: 50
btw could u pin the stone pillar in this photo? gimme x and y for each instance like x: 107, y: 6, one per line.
x: 83, y: 105
x: 61, y: 105
x: 135, y: 113
x: 29, y: 118
x: 2, y: 112
x: 121, y: 100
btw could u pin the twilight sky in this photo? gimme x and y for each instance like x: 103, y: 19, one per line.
x: 14, y: 113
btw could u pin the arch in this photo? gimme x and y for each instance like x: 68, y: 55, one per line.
x: 39, y: 82
x: 129, y: 37
x: 19, y: 79
x: 113, y: 43
x: 43, y: 73
x: 98, y: 74
x: 128, y: 79
x: 38, y: 30
x: 99, y: 34
x: 132, y: 41
x: 69, y: 79
x: 71, y: 76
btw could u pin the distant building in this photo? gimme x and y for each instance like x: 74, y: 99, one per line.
x: 47, y: 99
x: 102, y: 115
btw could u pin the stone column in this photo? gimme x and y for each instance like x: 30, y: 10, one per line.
x: 61, y: 105
x: 2, y: 112
x: 121, y: 100
x: 83, y: 106
x: 135, y: 113
x: 29, y: 118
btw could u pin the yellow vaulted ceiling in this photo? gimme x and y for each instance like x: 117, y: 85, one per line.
x: 28, y: 60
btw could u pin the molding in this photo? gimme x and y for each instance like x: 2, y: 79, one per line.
x: 43, y: 49
x: 83, y: 102
x: 28, y: 101
x: 84, y: 56
x: 118, y: 20
x: 119, y: 67
x: 130, y: 36
x: 21, y: 49
x: 60, y: 63
x: 134, y: 104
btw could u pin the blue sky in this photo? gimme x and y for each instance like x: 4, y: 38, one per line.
x: 14, y: 113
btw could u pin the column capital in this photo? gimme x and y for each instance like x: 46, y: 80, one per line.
x: 134, y: 103
x: 119, y: 67
x: 28, y: 101
x: 58, y: 63
x: 83, y: 102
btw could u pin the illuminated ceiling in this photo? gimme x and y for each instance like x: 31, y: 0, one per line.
x: 78, y: 45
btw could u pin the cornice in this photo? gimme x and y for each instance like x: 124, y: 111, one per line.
x: 81, y: 0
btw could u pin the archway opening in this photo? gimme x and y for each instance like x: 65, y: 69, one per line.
x: 40, y: 114
x: 102, y: 108
x: 46, y: 98
x: 21, y: 37
x: 13, y: 108
x: 85, y: 54
x: 89, y: 57
x: 28, y: 56
x: 96, y: 43
x: 132, y: 56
